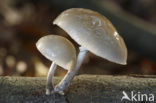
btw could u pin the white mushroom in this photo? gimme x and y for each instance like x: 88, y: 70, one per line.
x: 59, y: 50
x: 94, y: 33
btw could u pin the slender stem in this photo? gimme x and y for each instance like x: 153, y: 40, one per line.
x: 65, y: 82
x: 80, y: 58
x: 49, y: 85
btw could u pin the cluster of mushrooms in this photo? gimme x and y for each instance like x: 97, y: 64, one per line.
x: 92, y: 31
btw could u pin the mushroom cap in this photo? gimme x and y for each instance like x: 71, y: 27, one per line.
x: 94, y: 32
x: 58, y: 49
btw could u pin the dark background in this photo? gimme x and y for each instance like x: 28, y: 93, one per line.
x: 23, y: 22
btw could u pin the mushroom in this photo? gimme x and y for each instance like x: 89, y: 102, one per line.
x: 94, y: 33
x: 59, y: 50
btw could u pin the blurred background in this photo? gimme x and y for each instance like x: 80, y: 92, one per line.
x: 23, y: 22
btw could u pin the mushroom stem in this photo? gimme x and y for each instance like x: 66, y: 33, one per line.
x: 65, y: 82
x: 49, y: 85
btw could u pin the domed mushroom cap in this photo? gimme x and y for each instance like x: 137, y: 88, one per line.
x: 58, y: 49
x: 94, y: 32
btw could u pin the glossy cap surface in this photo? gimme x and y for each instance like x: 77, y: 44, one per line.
x: 58, y: 49
x: 94, y: 32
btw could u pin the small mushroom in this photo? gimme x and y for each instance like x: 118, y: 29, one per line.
x: 59, y: 50
x: 94, y: 33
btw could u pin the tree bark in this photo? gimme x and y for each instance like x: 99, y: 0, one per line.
x: 84, y: 89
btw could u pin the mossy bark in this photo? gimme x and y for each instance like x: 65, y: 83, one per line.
x: 84, y: 89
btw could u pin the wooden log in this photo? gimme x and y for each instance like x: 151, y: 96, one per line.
x: 84, y: 89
